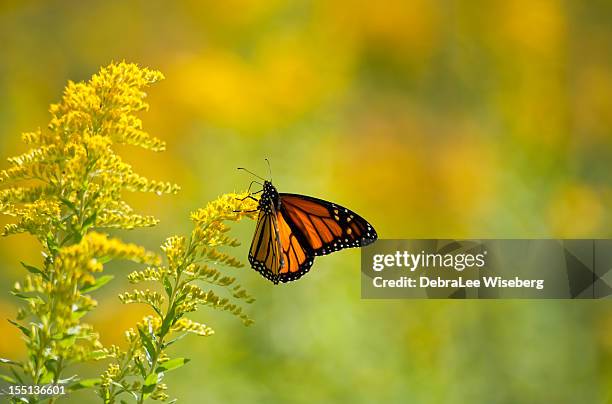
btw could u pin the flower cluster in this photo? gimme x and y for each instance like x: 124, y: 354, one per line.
x: 189, y: 277
x: 63, y: 191
x: 76, y: 177
x: 61, y: 338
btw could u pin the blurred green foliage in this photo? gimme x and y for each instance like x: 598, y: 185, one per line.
x: 430, y: 118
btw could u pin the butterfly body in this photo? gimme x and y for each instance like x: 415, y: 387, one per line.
x: 292, y: 229
x: 270, y: 198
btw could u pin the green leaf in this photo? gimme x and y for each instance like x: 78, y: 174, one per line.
x: 78, y: 314
x: 150, y: 383
x: 24, y: 297
x: 16, y: 375
x: 24, y: 330
x: 46, y: 378
x: 101, y: 281
x: 9, y: 362
x: 67, y: 239
x: 84, y: 384
x: 34, y: 270
x: 89, y: 221
x: 148, y: 345
x: 8, y: 379
x: 167, y: 286
x: 52, y: 244
x: 105, y: 259
x: 180, y: 337
x: 171, y: 365
x: 98, y: 354
x: 151, y: 380
x: 140, y: 367
x: 118, y: 385
x: 67, y: 380
x: 51, y: 365
x: 69, y: 204
x: 167, y: 323
x: 134, y: 394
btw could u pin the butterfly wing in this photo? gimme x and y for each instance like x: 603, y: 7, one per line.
x: 297, y: 256
x: 325, y: 226
x: 265, y: 252
x: 276, y: 252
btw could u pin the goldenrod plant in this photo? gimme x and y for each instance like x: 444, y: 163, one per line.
x: 189, y: 277
x: 65, y: 191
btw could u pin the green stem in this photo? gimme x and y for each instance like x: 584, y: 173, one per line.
x: 47, y: 330
x: 123, y: 372
x: 44, y: 333
x: 188, y: 260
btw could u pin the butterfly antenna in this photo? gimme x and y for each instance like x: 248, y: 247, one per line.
x: 269, y: 169
x: 252, y: 173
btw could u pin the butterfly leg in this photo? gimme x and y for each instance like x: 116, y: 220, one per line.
x: 250, y: 196
x: 251, y: 184
x: 242, y: 199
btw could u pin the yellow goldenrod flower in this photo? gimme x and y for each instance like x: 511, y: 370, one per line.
x: 69, y: 183
x: 73, y: 163
x: 187, y: 260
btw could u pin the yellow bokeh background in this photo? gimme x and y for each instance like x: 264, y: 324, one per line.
x: 430, y: 118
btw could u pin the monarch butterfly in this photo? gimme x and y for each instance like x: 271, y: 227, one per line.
x: 292, y: 229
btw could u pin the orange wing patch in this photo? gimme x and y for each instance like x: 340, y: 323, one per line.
x: 325, y: 226
x: 296, y: 259
x: 310, y: 206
